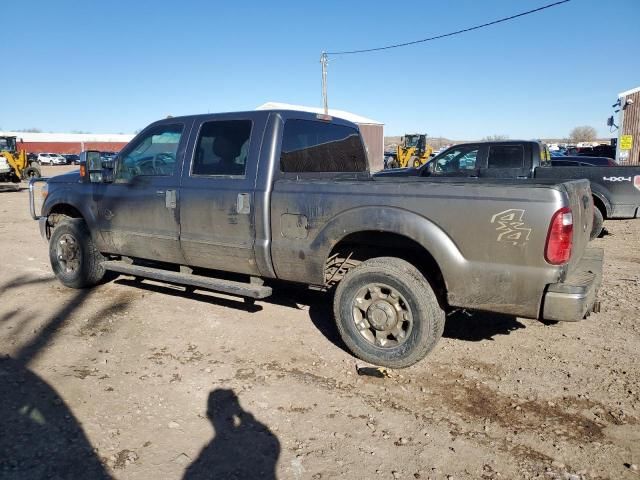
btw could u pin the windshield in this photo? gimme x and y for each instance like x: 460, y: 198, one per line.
x: 8, y: 144
x: 411, y: 140
x: 455, y: 159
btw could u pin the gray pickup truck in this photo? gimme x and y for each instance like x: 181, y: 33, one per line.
x: 235, y: 202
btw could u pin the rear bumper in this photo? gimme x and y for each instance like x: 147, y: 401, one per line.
x: 574, y: 298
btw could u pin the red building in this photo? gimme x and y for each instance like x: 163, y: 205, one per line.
x: 69, y: 142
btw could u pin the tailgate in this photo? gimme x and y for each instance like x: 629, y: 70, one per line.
x: 581, y: 203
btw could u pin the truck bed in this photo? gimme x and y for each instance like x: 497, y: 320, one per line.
x: 489, y: 235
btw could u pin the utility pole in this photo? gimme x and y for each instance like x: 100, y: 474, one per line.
x: 324, y: 61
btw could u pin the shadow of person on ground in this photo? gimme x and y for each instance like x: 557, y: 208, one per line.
x: 242, y: 448
x: 478, y: 326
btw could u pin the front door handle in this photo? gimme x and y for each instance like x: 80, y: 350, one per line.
x: 160, y: 193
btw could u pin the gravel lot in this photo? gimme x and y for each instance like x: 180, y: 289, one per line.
x: 139, y: 380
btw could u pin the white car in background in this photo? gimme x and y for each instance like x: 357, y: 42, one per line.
x: 51, y: 159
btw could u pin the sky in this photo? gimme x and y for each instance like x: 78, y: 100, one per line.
x: 115, y: 66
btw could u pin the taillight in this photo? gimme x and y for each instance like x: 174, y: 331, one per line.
x: 560, y: 237
x: 636, y: 181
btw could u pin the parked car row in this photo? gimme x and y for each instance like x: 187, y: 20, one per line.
x: 61, y: 159
x: 608, y: 151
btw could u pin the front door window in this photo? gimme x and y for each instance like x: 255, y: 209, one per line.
x: 152, y: 155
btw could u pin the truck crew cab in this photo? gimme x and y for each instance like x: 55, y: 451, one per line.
x: 232, y: 202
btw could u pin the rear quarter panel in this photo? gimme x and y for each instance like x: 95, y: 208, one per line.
x: 488, y: 240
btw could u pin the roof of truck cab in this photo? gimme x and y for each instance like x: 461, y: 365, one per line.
x: 289, y: 112
x: 351, y: 117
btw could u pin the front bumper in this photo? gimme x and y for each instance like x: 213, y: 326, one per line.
x: 44, y: 227
x: 574, y: 298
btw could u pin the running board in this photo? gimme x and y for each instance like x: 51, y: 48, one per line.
x: 248, y: 290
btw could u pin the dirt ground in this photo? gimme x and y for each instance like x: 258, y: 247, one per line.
x: 138, y: 380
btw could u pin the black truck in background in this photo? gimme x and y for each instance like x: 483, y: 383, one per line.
x: 616, y: 189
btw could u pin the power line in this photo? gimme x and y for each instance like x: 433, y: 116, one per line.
x: 501, y: 20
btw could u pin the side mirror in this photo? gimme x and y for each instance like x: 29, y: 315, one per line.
x: 92, y: 165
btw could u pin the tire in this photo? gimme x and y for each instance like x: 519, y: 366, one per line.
x: 417, y: 163
x: 598, y: 222
x: 82, y: 266
x: 31, y: 172
x: 422, y: 322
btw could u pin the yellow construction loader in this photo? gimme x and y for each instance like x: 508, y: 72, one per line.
x: 413, y: 151
x: 14, y: 165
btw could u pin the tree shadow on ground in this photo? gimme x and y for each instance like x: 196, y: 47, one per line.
x: 478, y: 326
x: 242, y: 448
x: 39, y: 435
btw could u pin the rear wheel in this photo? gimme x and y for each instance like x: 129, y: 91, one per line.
x: 598, y: 222
x: 73, y: 255
x: 387, y: 313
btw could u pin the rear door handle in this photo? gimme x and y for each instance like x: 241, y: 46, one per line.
x: 160, y: 193
x: 170, y: 199
x: 243, y: 203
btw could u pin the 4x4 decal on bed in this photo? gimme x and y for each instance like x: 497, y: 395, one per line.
x: 511, y: 227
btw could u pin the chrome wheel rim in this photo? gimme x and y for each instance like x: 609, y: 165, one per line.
x: 68, y: 253
x: 382, y: 315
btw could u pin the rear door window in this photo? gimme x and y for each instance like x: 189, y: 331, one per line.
x: 223, y: 148
x: 506, y: 156
x: 315, y: 146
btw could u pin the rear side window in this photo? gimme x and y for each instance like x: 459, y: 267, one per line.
x: 223, y: 148
x: 506, y: 156
x: 310, y: 146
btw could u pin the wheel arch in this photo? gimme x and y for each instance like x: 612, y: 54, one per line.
x: 601, y: 200
x: 601, y: 203
x: 63, y: 204
x: 390, y: 231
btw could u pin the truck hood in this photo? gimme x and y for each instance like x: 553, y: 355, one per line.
x: 70, y: 177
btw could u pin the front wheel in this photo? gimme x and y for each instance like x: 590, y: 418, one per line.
x: 74, y: 258
x: 387, y: 313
